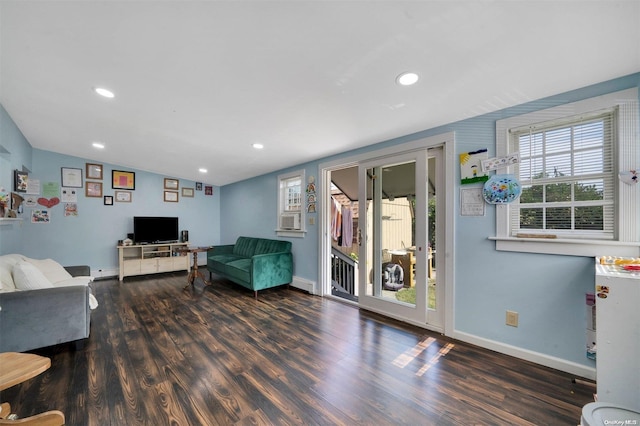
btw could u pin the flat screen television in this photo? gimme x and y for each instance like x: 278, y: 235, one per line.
x: 148, y: 229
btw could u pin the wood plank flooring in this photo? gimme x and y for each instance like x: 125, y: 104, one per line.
x: 214, y: 355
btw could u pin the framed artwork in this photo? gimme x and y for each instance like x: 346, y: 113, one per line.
x: 20, y: 180
x: 71, y: 177
x: 108, y: 200
x: 171, y: 184
x: 208, y: 190
x: 187, y: 192
x: 123, y: 196
x: 171, y: 196
x: 123, y: 180
x: 93, y: 171
x: 93, y: 189
x: 198, y: 186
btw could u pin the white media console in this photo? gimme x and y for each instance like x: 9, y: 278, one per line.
x: 142, y: 259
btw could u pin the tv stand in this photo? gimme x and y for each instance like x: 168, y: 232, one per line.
x: 143, y: 259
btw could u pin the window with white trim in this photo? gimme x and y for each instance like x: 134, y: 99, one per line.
x: 572, y: 201
x: 566, y: 173
x: 291, y: 212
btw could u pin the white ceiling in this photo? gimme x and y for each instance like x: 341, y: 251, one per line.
x: 197, y: 82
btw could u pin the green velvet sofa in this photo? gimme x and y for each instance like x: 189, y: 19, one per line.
x: 254, y: 263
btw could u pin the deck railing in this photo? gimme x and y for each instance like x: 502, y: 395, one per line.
x: 343, y: 275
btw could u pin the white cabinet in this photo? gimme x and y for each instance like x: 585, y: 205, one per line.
x: 151, y: 259
x: 618, y: 335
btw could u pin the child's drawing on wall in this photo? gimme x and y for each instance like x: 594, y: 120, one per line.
x: 471, y: 167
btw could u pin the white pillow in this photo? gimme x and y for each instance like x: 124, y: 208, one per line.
x: 6, y: 280
x: 27, y: 277
x: 50, y: 269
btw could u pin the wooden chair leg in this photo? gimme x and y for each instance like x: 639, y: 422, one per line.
x: 49, y: 418
x: 5, y: 410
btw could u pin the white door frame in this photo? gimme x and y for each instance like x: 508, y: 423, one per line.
x: 444, y: 257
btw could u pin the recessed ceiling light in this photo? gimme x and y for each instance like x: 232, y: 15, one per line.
x: 98, y: 145
x: 104, y: 92
x: 202, y: 170
x: 257, y: 146
x: 407, y: 78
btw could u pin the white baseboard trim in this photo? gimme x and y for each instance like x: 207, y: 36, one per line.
x: 304, y: 284
x: 542, y: 359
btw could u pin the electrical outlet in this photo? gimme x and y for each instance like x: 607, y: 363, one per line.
x: 512, y: 318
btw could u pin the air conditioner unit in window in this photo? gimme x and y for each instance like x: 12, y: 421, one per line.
x: 290, y: 221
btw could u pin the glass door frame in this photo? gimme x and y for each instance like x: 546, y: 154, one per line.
x: 375, y: 302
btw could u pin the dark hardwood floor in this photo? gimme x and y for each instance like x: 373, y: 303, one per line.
x: 159, y: 355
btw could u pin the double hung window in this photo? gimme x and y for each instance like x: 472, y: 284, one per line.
x: 572, y: 200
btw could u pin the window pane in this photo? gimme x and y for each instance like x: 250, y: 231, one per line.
x: 588, y: 135
x: 589, y: 190
x: 532, y: 194
x: 558, y: 165
x: 531, y: 218
x: 588, y: 162
x: 558, y: 218
x: 558, y: 140
x: 558, y: 192
x: 591, y: 218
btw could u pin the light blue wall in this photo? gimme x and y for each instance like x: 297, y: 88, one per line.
x: 15, y: 153
x: 548, y: 291
x: 91, y: 237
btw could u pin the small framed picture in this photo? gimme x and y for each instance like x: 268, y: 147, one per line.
x: 198, y: 186
x: 123, y: 180
x: 171, y: 184
x: 108, y: 200
x: 93, y: 171
x: 20, y: 181
x: 93, y: 189
x: 71, y: 177
x: 187, y: 192
x: 171, y: 196
x: 123, y: 196
x: 208, y: 190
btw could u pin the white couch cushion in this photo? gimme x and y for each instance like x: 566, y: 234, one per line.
x: 50, y: 269
x: 27, y: 277
x: 6, y: 279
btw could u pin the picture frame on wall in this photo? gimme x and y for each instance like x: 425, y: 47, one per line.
x: 20, y: 181
x: 171, y: 196
x: 171, y: 184
x: 108, y: 200
x: 123, y: 196
x: 71, y: 177
x: 187, y: 192
x: 121, y: 179
x: 93, y: 189
x: 198, y: 186
x: 93, y: 171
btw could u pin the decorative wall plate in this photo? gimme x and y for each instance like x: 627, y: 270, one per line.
x: 500, y: 189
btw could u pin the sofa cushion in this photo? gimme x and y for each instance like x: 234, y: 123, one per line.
x: 245, y: 246
x: 6, y: 279
x: 27, y: 277
x: 218, y: 261
x: 50, y: 269
x: 239, y: 269
x: 264, y: 246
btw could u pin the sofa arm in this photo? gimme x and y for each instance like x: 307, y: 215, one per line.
x: 78, y: 271
x: 270, y: 270
x: 34, y: 319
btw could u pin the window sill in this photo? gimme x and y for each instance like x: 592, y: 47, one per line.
x: 588, y: 248
x: 292, y: 233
